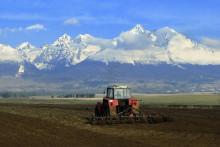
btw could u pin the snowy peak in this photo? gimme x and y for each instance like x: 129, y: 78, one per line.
x: 8, y: 54
x: 138, y: 29
x: 63, y: 40
x: 25, y: 46
x: 165, y: 30
x: 82, y: 38
x: 66, y: 51
x: 164, y: 35
x: 28, y: 52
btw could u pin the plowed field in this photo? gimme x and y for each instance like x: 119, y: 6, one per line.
x: 65, y: 125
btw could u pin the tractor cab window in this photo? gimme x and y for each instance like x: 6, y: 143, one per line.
x: 109, y: 93
x: 122, y: 93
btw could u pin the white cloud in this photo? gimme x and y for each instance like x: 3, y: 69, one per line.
x: 36, y: 27
x: 71, y: 21
x: 10, y: 29
x: 210, y: 42
x: 25, y: 16
x: 13, y: 30
x: 132, y: 41
x: 6, y: 31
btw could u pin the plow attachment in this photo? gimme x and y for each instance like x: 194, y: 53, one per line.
x: 127, y: 117
x: 151, y: 119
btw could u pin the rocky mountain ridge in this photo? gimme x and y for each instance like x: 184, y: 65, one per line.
x: 136, y: 46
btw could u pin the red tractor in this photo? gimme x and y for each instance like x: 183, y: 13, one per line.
x: 120, y: 105
x: 118, y: 100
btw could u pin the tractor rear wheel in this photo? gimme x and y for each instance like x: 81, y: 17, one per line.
x: 97, y: 113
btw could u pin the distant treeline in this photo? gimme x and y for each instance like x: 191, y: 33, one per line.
x: 16, y: 94
x: 29, y: 94
x: 90, y: 95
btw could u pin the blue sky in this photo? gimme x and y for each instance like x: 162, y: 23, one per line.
x: 43, y: 21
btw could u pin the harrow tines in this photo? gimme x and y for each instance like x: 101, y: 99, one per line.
x: 151, y: 119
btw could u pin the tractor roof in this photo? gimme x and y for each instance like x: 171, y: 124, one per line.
x: 119, y: 86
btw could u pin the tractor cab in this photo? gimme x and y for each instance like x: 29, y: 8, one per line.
x: 119, y: 92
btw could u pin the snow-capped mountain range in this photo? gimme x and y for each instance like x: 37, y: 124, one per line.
x: 137, y: 45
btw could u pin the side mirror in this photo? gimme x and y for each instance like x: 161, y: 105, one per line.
x: 104, y: 95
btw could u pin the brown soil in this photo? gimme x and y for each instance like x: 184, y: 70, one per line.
x: 65, y: 125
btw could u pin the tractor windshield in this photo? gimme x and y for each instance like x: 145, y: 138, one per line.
x: 122, y: 93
